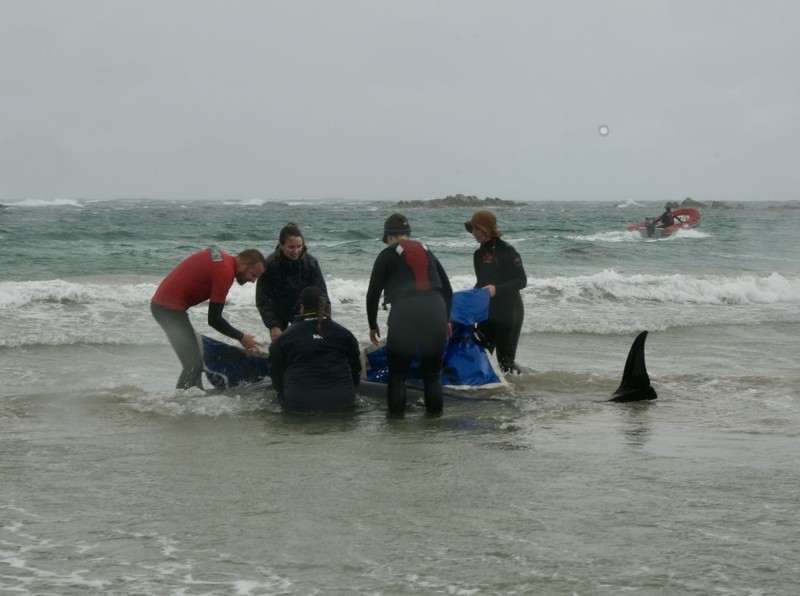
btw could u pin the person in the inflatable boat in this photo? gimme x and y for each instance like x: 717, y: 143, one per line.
x: 316, y: 363
x: 498, y: 269
x: 667, y: 218
x: 416, y: 285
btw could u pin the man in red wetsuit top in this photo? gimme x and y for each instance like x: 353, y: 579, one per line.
x: 206, y: 275
x: 416, y: 285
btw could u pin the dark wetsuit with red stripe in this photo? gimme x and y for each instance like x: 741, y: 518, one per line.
x: 416, y: 285
x: 498, y: 263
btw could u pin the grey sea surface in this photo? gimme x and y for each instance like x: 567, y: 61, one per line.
x: 112, y: 482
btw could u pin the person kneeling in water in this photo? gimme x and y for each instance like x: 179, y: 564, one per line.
x: 316, y: 363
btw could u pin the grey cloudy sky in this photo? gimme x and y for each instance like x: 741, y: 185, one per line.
x: 413, y: 99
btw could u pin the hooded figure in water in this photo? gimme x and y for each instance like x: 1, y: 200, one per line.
x: 316, y: 363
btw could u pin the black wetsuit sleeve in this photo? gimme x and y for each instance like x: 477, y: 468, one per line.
x: 377, y: 282
x: 277, y: 364
x: 447, y: 289
x: 513, y: 273
x: 319, y: 280
x: 264, y: 304
x: 354, y: 358
x: 218, y: 322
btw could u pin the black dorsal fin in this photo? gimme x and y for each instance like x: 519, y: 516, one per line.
x: 635, y: 385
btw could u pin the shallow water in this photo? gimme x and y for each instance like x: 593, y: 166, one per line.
x: 113, y: 483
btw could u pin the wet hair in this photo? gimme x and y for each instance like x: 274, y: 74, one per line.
x: 251, y: 256
x: 289, y: 230
x: 321, y: 303
x: 312, y: 297
x: 396, y: 225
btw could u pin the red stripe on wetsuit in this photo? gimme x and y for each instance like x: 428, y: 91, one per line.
x: 416, y: 257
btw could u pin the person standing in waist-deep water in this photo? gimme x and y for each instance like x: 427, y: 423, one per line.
x: 498, y: 268
x: 316, y: 363
x: 205, y: 275
x: 289, y: 269
x: 419, y: 291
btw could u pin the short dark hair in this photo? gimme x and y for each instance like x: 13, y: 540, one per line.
x: 251, y: 256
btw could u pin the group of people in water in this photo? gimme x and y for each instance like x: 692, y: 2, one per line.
x: 314, y: 362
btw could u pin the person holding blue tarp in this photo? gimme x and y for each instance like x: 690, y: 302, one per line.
x: 316, y: 363
x: 498, y: 268
x: 416, y: 285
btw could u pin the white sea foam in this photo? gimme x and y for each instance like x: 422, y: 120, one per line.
x: 56, y: 202
x: 629, y: 203
x: 604, y: 285
x: 254, y: 202
x: 60, y: 312
x: 608, y: 285
x: 615, y: 236
x: 689, y: 233
x: 626, y: 236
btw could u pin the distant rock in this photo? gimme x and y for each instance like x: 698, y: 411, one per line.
x: 721, y: 205
x: 790, y: 207
x: 689, y: 202
x: 677, y: 205
x: 458, y: 201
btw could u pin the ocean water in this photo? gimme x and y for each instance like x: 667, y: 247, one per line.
x: 112, y: 482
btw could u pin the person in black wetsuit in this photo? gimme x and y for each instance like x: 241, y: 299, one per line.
x: 498, y: 268
x: 666, y: 219
x: 316, y: 363
x: 419, y: 291
x: 649, y: 226
x: 289, y: 269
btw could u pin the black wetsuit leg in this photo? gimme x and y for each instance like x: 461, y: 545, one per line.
x: 182, y: 337
x: 503, y: 334
x: 417, y: 329
x: 508, y: 338
x: 431, y: 369
x: 399, y: 364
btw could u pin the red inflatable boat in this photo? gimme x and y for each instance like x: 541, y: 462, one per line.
x: 684, y: 219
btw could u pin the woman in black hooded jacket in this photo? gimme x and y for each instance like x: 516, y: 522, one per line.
x: 289, y: 269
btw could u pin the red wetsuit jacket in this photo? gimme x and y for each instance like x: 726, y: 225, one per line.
x: 206, y: 275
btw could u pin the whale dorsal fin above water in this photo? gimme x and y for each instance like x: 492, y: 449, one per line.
x: 635, y: 385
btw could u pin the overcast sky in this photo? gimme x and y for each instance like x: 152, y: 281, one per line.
x: 400, y: 99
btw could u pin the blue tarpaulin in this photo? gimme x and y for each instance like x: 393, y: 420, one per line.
x: 466, y: 362
x: 231, y: 366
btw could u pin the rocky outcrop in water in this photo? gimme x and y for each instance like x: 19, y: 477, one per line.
x: 689, y: 202
x: 459, y: 201
x: 789, y: 207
